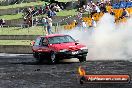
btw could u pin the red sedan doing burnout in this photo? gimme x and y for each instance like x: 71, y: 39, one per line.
x: 56, y: 47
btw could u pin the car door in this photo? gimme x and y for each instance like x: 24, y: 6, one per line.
x: 44, y: 45
x: 36, y: 45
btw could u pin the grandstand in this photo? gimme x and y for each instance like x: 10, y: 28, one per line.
x: 14, y: 14
x: 117, y: 9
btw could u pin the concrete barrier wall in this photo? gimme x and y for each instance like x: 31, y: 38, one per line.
x: 16, y: 49
x: 56, y: 19
x: 18, y: 37
x: 14, y: 22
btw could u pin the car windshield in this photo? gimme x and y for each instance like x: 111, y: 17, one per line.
x: 60, y: 39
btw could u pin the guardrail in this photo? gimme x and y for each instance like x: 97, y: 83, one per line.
x: 18, y: 37
x: 16, y: 49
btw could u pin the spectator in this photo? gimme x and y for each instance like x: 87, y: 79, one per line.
x: 93, y: 23
x: 112, y: 12
x: 36, y: 21
x: 57, y: 8
x: 87, y: 8
x: 49, y: 25
x: 33, y: 10
x: 103, y: 8
x: 76, y: 23
x: 124, y: 13
x: 95, y: 9
x: 47, y: 9
x: 1, y: 22
x: 79, y: 15
x: 84, y: 25
x: 40, y: 11
x: 61, y: 6
x: 30, y: 9
x: 51, y: 13
x: 44, y: 22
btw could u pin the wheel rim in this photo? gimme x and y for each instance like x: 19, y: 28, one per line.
x: 53, y: 57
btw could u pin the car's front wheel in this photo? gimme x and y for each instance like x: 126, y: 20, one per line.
x: 82, y: 59
x: 52, y: 58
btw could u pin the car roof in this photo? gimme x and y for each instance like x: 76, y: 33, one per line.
x: 53, y: 35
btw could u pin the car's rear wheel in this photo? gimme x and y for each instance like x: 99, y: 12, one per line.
x: 82, y: 59
x: 39, y: 59
x: 35, y: 55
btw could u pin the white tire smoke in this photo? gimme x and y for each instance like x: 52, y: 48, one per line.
x: 108, y: 41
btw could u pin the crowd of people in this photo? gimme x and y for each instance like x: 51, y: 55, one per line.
x: 89, y: 7
x: 48, y: 9
x: 51, y: 9
x: 99, y: 7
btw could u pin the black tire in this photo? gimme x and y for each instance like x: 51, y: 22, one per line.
x: 52, y: 58
x: 82, y: 59
x: 39, y: 59
x: 35, y: 55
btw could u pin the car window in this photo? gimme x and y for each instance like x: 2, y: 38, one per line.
x: 69, y: 39
x: 60, y: 39
x: 44, y: 41
x: 37, y: 42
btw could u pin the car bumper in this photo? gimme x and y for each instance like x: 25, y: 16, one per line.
x: 72, y: 54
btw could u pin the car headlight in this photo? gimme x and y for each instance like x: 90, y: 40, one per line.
x: 83, y: 48
x: 64, y: 50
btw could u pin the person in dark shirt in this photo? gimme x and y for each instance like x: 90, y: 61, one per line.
x: 124, y: 13
x: 103, y: 8
x: 51, y: 13
x: 0, y: 21
x: 112, y: 12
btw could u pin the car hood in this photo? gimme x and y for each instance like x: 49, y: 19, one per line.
x: 68, y: 46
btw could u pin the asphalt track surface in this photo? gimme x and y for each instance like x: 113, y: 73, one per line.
x: 21, y: 71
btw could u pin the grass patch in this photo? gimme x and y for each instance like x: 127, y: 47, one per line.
x: 37, y: 30
x: 25, y: 31
x: 62, y: 13
x: 23, y: 5
x: 20, y: 15
x: 11, y: 17
x: 67, y: 12
x: 65, y: 0
x: 15, y: 42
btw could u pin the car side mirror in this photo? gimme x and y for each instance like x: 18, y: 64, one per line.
x: 77, y: 40
x: 32, y: 43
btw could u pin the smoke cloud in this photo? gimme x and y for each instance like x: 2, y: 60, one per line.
x: 108, y: 41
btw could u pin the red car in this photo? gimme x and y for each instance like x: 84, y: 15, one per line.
x: 56, y: 47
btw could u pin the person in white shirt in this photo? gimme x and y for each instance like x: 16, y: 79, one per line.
x: 93, y: 23
x: 83, y: 25
x: 49, y: 25
x: 44, y: 22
